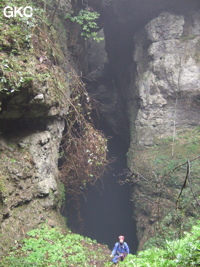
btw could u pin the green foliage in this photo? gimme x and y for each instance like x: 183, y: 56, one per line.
x: 163, y: 175
x: 16, y: 32
x: 181, y: 252
x: 87, y: 19
x: 15, y: 38
x: 28, y: 49
x: 159, y: 157
x: 13, y: 76
x: 49, y: 247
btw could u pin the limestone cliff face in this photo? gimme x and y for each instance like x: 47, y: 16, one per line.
x: 34, y: 100
x: 166, y: 88
x: 29, y: 181
x: 41, y: 60
x: 149, y: 87
x: 167, y: 58
x: 155, y: 94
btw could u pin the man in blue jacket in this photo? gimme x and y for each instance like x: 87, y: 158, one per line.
x: 120, y: 251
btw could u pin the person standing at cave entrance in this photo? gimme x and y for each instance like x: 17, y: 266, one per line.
x: 120, y: 250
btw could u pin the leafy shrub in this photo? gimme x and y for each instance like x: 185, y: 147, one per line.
x: 181, y: 252
x: 87, y: 19
x: 49, y: 247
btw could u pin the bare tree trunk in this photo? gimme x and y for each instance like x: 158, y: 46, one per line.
x: 174, y: 130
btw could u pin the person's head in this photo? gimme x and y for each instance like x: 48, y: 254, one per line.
x: 121, y: 239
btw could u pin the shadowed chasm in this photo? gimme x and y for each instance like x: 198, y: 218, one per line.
x: 107, y: 210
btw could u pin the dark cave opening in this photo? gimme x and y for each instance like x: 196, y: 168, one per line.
x: 106, y: 208
x: 108, y: 211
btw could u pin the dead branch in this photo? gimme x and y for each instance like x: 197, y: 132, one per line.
x: 185, y: 182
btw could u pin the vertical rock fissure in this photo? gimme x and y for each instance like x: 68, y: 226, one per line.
x: 125, y: 82
x: 108, y: 211
x: 106, y: 208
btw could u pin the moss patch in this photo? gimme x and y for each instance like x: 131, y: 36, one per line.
x: 166, y: 154
x: 32, y: 64
x: 159, y: 181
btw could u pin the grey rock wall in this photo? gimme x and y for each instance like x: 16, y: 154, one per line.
x: 166, y: 91
x: 32, y: 121
x: 167, y: 80
x: 29, y: 182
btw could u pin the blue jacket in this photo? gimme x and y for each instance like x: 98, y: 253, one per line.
x: 121, y: 248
